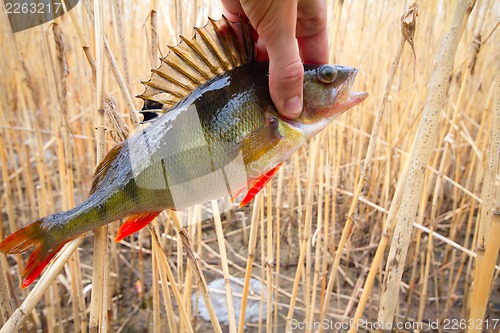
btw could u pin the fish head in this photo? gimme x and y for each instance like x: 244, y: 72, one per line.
x: 327, y: 94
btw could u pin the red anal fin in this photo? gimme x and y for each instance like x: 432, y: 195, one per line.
x: 134, y: 223
x: 259, y: 185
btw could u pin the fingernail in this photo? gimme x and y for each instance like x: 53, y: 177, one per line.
x: 293, y: 106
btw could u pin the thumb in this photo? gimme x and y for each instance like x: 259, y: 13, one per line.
x: 286, y: 76
x: 286, y: 71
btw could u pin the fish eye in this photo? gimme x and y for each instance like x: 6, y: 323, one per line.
x: 327, y: 74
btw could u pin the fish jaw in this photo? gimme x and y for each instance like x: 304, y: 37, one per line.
x: 347, y: 98
x: 323, y: 103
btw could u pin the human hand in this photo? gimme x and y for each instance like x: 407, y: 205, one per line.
x: 291, y: 32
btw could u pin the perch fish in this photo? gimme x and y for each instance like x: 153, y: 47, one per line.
x: 213, y: 131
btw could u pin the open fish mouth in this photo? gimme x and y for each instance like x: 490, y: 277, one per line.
x: 347, y: 98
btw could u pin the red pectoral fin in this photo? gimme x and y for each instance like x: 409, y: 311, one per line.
x: 134, y: 223
x: 258, y: 185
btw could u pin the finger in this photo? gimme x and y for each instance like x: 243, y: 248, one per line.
x: 232, y: 8
x: 314, y: 49
x: 311, y: 31
x: 286, y: 76
x: 286, y: 72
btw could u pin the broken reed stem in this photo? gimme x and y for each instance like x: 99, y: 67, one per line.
x: 489, y: 222
x: 22, y: 312
x: 99, y: 271
x: 225, y: 267
x: 368, y: 285
x: 425, y: 141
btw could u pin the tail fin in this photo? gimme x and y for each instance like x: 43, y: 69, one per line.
x: 33, y: 235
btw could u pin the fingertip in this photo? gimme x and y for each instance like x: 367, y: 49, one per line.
x: 286, y: 87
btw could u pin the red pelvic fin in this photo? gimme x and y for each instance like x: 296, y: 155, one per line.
x: 259, y: 185
x: 134, y: 223
x: 25, y: 238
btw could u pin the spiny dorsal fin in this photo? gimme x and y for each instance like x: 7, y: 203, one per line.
x: 103, y: 167
x: 217, y: 47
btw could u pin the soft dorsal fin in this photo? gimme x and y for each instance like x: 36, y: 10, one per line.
x: 102, y: 168
x: 217, y: 47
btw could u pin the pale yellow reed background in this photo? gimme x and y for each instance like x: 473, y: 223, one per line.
x: 48, y: 120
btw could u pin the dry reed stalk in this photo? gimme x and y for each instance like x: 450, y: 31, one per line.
x: 337, y: 14
x: 165, y: 267
x: 155, y: 291
x: 197, y: 272
x: 225, y: 268
x: 317, y: 238
x: 436, y: 197
x: 180, y: 271
x: 114, y: 68
x: 166, y: 294
x: 4, y: 141
x: 306, y: 236
x: 489, y: 222
x: 66, y: 177
x: 277, y: 241
x: 326, y: 221
x: 252, y: 242
x: 5, y: 299
x: 84, y: 44
x: 155, y: 42
x: 118, y: 18
x: 424, y: 144
x: 262, y: 261
x: 99, y: 273
x: 408, y: 30
x: 165, y: 290
x: 269, y: 258
x: 122, y: 84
